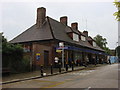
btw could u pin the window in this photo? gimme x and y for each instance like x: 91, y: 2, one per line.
x: 27, y: 48
x: 83, y: 38
x: 94, y: 44
x: 75, y: 37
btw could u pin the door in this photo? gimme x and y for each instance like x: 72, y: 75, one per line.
x: 46, y: 58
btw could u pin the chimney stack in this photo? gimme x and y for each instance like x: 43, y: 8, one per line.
x: 74, y: 25
x: 41, y: 14
x: 85, y: 33
x: 63, y: 20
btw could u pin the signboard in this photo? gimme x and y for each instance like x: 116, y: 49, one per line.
x: 58, y: 51
x: 58, y: 48
x: 37, y: 56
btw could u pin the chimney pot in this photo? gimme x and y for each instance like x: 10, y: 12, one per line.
x: 63, y: 20
x: 74, y: 25
x: 85, y: 33
x: 41, y: 14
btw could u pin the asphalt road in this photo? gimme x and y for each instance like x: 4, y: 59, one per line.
x: 99, y: 77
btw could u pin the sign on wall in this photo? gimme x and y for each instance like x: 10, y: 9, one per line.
x: 37, y: 56
x: 59, y: 51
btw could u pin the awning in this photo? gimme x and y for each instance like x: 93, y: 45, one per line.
x: 81, y: 49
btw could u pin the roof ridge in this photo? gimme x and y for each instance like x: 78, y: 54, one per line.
x: 50, y: 27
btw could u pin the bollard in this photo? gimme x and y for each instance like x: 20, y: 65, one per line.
x: 66, y: 66
x: 41, y: 70
x: 59, y: 67
x: 72, y: 66
x: 51, y: 69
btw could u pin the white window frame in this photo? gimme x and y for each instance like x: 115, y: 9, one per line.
x: 83, y: 38
x: 75, y: 37
x: 94, y: 44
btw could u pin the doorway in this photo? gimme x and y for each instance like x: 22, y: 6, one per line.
x: 46, y: 58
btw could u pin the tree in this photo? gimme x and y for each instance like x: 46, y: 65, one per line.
x: 12, y: 57
x: 11, y: 54
x: 117, y: 14
x: 102, y: 42
x: 118, y: 51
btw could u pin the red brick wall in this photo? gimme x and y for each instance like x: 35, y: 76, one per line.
x: 38, y: 48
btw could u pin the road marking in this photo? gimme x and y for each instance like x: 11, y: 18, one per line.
x: 45, y: 81
x: 51, y: 86
x: 88, y: 88
x: 83, y: 73
x: 69, y: 79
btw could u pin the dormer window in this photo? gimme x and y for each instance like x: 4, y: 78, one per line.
x: 94, y: 44
x: 83, y: 38
x: 75, y: 37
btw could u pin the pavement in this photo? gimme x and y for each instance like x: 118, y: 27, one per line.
x: 36, y: 74
x: 99, y: 77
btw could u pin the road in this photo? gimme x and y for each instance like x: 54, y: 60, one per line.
x: 99, y: 77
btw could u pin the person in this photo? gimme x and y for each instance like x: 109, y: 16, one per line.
x: 79, y: 62
x: 87, y: 59
x: 76, y: 62
x: 56, y: 62
x: 109, y: 61
x: 56, y: 59
x: 69, y: 61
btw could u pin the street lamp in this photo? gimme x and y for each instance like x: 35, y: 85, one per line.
x: 119, y: 26
x: 61, y: 45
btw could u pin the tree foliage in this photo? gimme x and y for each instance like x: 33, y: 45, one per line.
x: 12, y: 57
x: 102, y: 42
x: 117, y: 14
x: 118, y: 51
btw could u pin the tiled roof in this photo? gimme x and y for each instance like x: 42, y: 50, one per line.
x: 51, y: 29
x: 59, y: 32
x: 34, y: 34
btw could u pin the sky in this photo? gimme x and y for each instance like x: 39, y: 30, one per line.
x: 95, y: 16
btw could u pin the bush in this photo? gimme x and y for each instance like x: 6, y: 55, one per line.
x: 12, y: 57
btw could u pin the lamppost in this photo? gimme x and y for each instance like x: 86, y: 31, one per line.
x: 117, y: 14
x: 118, y: 24
x: 61, y: 45
x: 119, y: 29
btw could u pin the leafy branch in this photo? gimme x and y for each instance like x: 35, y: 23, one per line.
x: 117, y: 14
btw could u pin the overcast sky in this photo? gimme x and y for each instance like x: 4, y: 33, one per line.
x: 94, y: 16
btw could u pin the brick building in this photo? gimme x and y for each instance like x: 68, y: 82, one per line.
x: 41, y: 42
